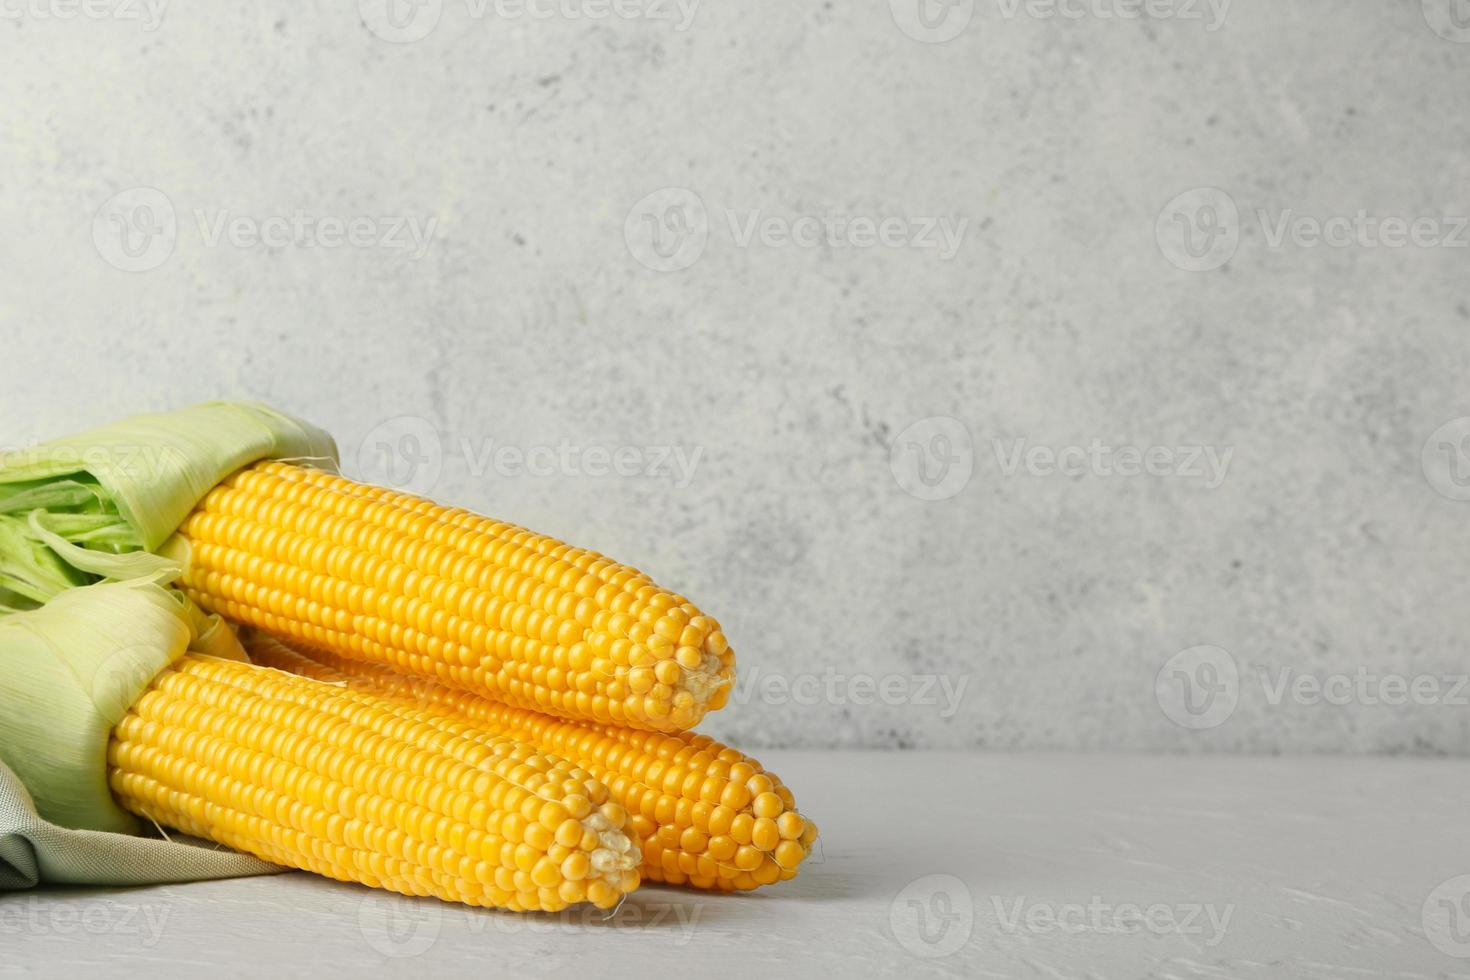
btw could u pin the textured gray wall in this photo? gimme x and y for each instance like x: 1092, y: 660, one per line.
x: 867, y: 422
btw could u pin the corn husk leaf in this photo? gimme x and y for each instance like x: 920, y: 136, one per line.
x: 68, y: 495
x: 91, y: 506
x: 68, y: 672
x: 29, y: 570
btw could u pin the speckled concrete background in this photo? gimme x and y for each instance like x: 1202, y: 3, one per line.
x: 576, y: 246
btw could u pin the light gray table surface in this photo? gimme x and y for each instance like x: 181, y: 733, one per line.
x: 959, y: 864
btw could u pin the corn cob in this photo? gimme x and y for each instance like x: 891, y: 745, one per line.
x: 359, y: 789
x: 443, y: 594
x: 705, y: 814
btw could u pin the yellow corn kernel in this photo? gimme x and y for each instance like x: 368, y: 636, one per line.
x: 767, y: 806
x: 764, y: 834
x: 741, y: 827
x: 788, y: 854
x: 748, y: 858
x: 767, y: 872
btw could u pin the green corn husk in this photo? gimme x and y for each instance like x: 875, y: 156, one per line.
x: 75, y: 655
x: 71, y: 669
x: 30, y: 571
x: 99, y: 504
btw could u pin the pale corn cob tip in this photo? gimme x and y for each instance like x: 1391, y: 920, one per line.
x: 355, y: 788
x: 442, y: 593
x: 705, y: 814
